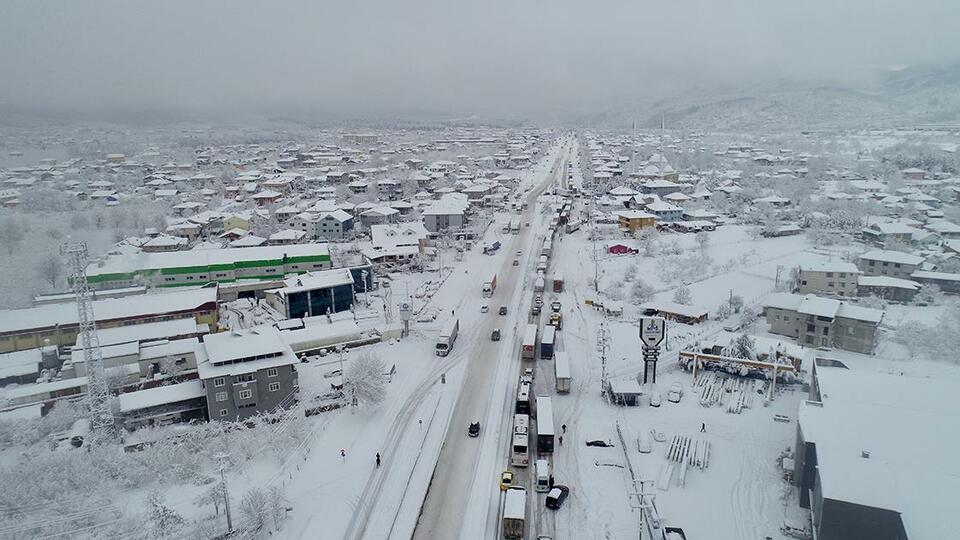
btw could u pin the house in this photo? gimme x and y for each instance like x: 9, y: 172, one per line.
x: 664, y: 211
x: 620, y: 249
x: 246, y: 373
x: 448, y: 213
x: 631, y: 221
x: 861, y: 483
x: 247, y: 241
x: 888, y: 288
x: 823, y: 322
x: 286, y: 237
x: 313, y: 294
x: 913, y: 173
x: 661, y: 187
x: 334, y: 225
x: 266, y: 197
x: 164, y: 242
x: 832, y: 278
x: 885, y: 234
x: 947, y: 282
x: 895, y: 264
x: 944, y: 229
x: 379, y: 214
x: 386, y: 236
x: 238, y: 221
x: 773, y: 200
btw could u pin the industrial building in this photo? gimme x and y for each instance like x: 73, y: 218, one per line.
x: 313, y: 294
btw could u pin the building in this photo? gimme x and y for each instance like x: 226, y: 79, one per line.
x: 246, y: 373
x: 448, y: 213
x: 661, y: 187
x: 162, y: 405
x: 313, y: 294
x: 378, y: 215
x: 823, y: 322
x: 631, y: 221
x: 870, y: 461
x: 664, y: 211
x: 884, y: 234
x: 947, y: 282
x: 832, y: 278
x: 888, y: 263
x: 677, y: 312
x: 196, y: 268
x: 888, y: 288
x: 56, y: 324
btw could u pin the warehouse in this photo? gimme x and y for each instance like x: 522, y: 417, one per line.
x: 195, y: 268
x: 873, y: 457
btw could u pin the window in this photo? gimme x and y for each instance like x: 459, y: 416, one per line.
x: 811, y: 328
x: 218, y: 381
x: 826, y: 330
x: 896, y: 265
x: 272, y: 372
x: 885, y: 263
x: 873, y: 263
x: 169, y: 279
x: 246, y: 377
x: 804, y: 282
x: 843, y: 285
x: 245, y: 394
x: 823, y: 342
x: 221, y: 396
x: 850, y: 330
x: 274, y: 386
x: 223, y: 412
x: 830, y: 284
x: 843, y: 274
x: 829, y: 274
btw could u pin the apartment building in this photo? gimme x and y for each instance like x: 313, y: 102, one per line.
x: 831, y: 278
x: 823, y: 322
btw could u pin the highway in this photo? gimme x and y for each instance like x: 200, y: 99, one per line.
x: 445, y: 507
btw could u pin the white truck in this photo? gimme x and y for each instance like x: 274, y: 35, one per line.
x: 448, y: 335
x: 515, y: 513
x: 489, y: 287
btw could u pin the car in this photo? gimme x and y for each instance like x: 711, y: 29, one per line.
x: 538, y: 302
x: 556, y: 496
x: 655, y: 399
x: 506, y: 480
x: 495, y: 335
x: 474, y: 429
x: 484, y: 308
x: 516, y: 262
x: 519, y: 253
x: 527, y: 225
x: 535, y: 310
x: 528, y: 373
x: 555, y: 306
x: 643, y: 444
x: 503, y: 310
x: 675, y: 393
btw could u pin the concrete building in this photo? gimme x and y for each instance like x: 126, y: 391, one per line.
x: 870, y: 461
x: 888, y: 263
x: 313, y: 294
x: 946, y: 281
x: 888, y: 288
x: 245, y: 373
x: 823, y: 322
x: 196, y: 268
x: 664, y: 211
x: 885, y: 234
x: 831, y: 278
x: 449, y: 213
x: 631, y: 221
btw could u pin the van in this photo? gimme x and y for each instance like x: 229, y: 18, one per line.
x: 543, y: 476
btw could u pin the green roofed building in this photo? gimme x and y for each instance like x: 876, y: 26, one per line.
x: 196, y: 268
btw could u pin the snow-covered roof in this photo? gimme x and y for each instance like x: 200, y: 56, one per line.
x: 678, y: 309
x: 887, y: 281
x: 161, y: 395
x: 177, y: 259
x: 892, y: 256
x: 148, y: 331
x: 321, y: 279
x: 829, y: 266
x: 226, y: 347
x: 822, y: 307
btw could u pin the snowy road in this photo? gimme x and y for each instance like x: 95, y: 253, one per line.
x: 446, y: 512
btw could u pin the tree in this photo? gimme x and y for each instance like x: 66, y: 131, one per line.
x: 743, y: 346
x: 11, y: 234
x: 366, y: 380
x: 166, y: 521
x: 255, y: 509
x: 928, y: 295
x: 50, y: 269
x: 682, y: 295
x: 703, y: 240
x: 277, y: 506
x: 641, y: 291
x: 212, y: 495
x: 648, y: 239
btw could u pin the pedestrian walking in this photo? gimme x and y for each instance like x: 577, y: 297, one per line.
x: 564, y: 428
x: 561, y: 440
x: 343, y: 454
x: 421, y: 423
x: 452, y: 313
x: 703, y: 427
x: 378, y: 460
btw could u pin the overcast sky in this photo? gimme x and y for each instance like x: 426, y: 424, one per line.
x: 497, y: 58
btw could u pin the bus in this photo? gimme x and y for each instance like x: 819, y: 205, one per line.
x: 547, y: 341
x: 561, y: 371
x: 521, y: 424
x: 529, y: 348
x: 523, y: 399
x: 520, y: 452
x: 544, y: 425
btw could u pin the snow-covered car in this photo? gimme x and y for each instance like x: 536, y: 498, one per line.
x: 556, y: 496
x: 643, y: 444
x: 655, y: 399
x: 474, y: 429
x: 503, y: 310
x: 528, y: 372
x: 495, y: 335
x: 675, y: 393
x: 484, y: 308
x: 519, y: 253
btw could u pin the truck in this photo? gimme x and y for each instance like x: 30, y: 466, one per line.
x: 561, y: 371
x: 448, y: 335
x: 556, y: 321
x: 491, y: 249
x: 515, y: 513
x: 538, y: 284
x: 489, y: 287
x: 547, y: 340
x: 529, y: 347
x: 515, y: 226
x: 558, y: 283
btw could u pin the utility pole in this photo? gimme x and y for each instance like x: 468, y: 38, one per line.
x: 226, y: 494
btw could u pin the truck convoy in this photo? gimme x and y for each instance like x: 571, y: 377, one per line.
x: 489, y: 287
x: 448, y: 335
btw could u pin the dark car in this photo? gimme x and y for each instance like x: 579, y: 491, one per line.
x: 556, y: 496
x: 503, y: 310
x: 495, y: 335
x: 474, y: 429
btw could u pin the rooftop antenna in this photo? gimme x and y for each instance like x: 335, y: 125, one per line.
x: 98, y: 391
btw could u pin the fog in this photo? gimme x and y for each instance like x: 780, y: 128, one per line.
x: 499, y: 58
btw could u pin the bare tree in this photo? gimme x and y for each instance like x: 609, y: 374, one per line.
x: 703, y: 239
x: 254, y: 507
x: 50, y: 269
x: 11, y: 234
x: 641, y: 291
x: 682, y: 295
x: 366, y: 380
x: 165, y: 520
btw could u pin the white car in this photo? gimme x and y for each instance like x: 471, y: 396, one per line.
x: 519, y: 253
x: 675, y: 393
x: 484, y: 308
x: 655, y: 399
